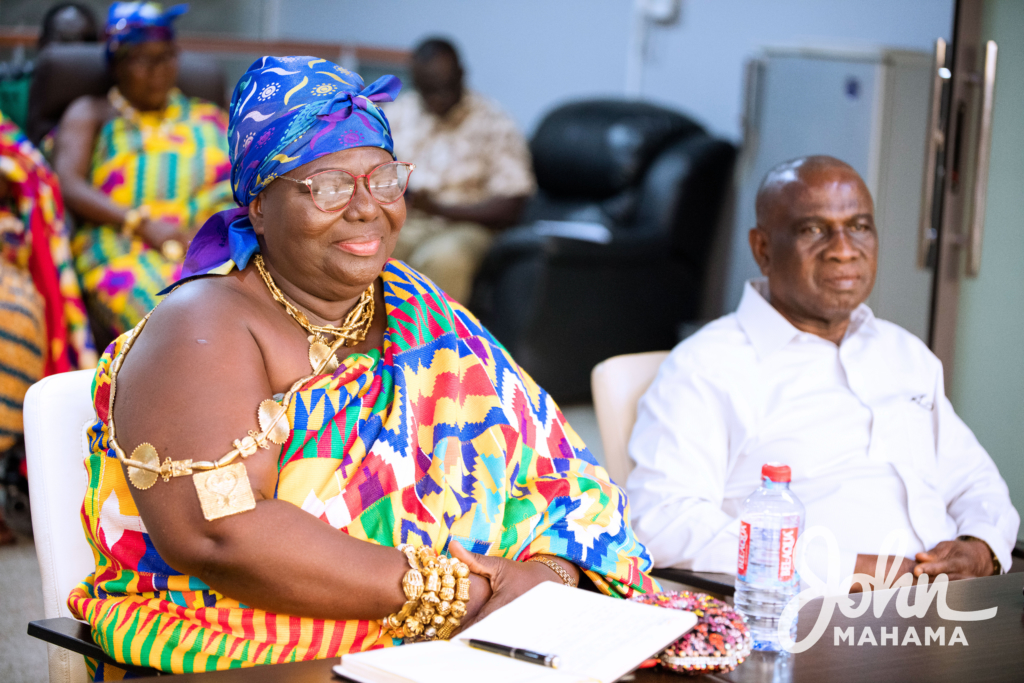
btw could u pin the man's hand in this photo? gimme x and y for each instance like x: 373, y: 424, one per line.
x: 509, y: 579
x: 956, y: 559
x: 868, y: 564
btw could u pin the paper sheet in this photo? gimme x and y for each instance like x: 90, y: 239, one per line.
x: 597, y: 639
x: 443, y: 662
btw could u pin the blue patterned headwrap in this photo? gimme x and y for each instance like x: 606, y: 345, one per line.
x: 286, y: 112
x: 131, y: 23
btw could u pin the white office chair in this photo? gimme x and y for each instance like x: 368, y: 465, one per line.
x: 617, y: 385
x: 58, y: 410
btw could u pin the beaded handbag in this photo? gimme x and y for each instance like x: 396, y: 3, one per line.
x: 717, y: 644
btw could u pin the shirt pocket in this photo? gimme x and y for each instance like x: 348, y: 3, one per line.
x: 917, y: 424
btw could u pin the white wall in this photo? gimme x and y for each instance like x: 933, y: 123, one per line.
x: 527, y: 54
x: 531, y: 55
x: 697, y: 65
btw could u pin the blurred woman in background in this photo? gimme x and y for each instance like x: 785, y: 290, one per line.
x: 43, y: 327
x: 143, y: 168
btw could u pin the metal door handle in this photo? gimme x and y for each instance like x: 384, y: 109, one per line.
x: 753, y: 79
x: 934, y: 141
x: 976, y: 231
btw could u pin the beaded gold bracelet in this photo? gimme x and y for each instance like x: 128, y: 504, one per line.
x: 436, y: 590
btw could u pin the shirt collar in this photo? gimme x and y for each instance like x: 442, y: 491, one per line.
x: 862, y: 321
x: 768, y: 330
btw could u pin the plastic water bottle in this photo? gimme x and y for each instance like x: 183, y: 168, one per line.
x: 771, y: 520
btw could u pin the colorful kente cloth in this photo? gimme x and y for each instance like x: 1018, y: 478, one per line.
x: 439, y: 437
x: 22, y: 343
x: 43, y: 327
x: 174, y: 162
x: 42, y: 247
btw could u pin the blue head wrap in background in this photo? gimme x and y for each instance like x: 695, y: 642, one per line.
x: 286, y: 112
x: 131, y: 23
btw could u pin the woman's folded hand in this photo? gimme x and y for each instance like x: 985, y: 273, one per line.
x: 508, y: 580
x: 479, y: 597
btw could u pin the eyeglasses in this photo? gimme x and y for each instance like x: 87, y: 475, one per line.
x: 332, y: 190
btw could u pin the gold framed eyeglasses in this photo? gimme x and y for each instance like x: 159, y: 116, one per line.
x: 333, y: 190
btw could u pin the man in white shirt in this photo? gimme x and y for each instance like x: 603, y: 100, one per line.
x: 804, y: 374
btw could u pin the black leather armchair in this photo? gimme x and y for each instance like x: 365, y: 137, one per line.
x: 66, y: 71
x: 648, y: 184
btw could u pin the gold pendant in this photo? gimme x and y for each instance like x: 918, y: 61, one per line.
x: 318, y: 352
x: 143, y: 479
x: 269, y: 411
x: 224, y: 491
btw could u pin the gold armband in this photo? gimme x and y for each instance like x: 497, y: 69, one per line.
x: 436, y: 590
x: 223, y: 488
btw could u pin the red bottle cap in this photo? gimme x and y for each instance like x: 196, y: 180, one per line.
x: 777, y: 472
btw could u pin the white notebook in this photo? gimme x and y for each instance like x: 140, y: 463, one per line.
x: 596, y: 638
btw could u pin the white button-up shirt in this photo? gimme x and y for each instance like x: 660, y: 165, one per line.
x: 865, y: 426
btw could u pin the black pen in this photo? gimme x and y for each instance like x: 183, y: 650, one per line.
x: 515, y: 653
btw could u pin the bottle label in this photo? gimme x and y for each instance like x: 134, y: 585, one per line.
x: 787, y: 543
x: 744, y: 558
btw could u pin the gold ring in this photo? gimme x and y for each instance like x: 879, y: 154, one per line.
x: 173, y: 250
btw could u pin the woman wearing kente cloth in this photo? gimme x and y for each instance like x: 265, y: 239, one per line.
x: 142, y: 168
x: 43, y: 326
x: 426, y: 434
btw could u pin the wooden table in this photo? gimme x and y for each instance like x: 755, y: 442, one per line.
x: 994, y: 650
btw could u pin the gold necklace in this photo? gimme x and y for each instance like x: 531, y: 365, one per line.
x: 130, y: 114
x: 353, y: 329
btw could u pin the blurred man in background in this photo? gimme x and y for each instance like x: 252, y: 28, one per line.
x: 473, y: 171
